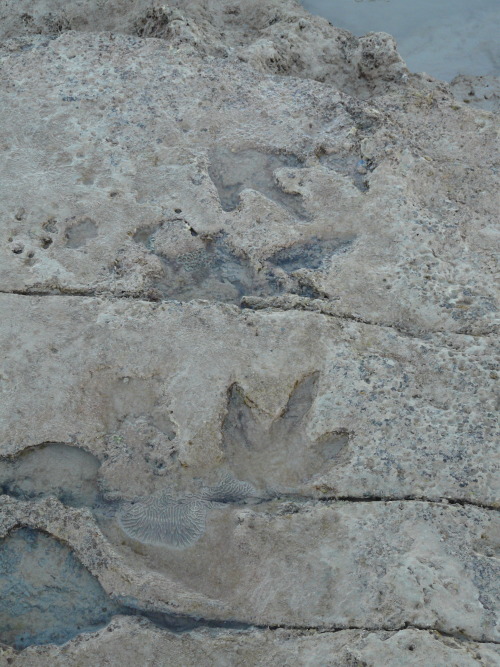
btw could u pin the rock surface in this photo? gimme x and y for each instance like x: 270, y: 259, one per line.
x: 247, y: 264
x: 128, y: 641
x: 480, y: 91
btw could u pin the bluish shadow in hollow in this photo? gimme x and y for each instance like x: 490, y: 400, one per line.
x: 311, y: 254
x: 216, y: 272
x: 46, y: 595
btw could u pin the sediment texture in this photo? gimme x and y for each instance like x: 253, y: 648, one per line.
x: 247, y: 265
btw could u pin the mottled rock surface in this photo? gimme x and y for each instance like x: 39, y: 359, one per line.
x: 248, y: 332
x: 479, y: 91
x: 127, y: 641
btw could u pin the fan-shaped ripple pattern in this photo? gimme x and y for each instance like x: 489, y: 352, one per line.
x: 230, y: 490
x: 164, y: 520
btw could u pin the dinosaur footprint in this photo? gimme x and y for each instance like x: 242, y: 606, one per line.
x: 280, y: 457
x: 272, y: 460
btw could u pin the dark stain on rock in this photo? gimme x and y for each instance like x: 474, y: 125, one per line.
x: 46, y: 595
x: 215, y: 271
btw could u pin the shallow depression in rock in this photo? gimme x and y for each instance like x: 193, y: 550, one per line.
x: 52, y: 469
x: 211, y: 270
x: 356, y: 169
x: 80, y: 233
x: 261, y: 462
x: 232, y: 172
x: 216, y: 272
x: 309, y: 255
x: 46, y: 594
x: 279, y: 457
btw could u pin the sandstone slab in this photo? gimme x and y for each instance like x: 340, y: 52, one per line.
x: 121, y: 167
x: 127, y: 639
x: 249, y: 364
x: 135, y: 384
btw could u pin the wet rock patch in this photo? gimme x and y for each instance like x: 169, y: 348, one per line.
x: 213, y: 270
x: 46, y: 595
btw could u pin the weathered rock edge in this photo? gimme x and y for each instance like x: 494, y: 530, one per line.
x: 258, y: 647
x: 179, y: 609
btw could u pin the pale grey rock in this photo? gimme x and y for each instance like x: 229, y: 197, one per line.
x: 301, y: 564
x: 277, y: 37
x: 123, y: 150
x: 129, y: 641
x: 249, y: 261
x: 322, y: 566
x: 372, y: 564
x: 137, y: 387
x: 77, y: 528
x: 479, y: 91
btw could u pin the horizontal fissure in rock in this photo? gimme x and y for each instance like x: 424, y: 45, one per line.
x: 308, y: 304
x: 182, y: 623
